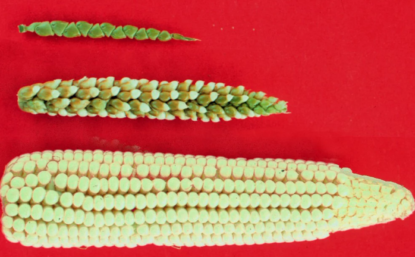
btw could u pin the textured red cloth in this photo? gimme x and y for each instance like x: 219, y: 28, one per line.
x: 345, y: 67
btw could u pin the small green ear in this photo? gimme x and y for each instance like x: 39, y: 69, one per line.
x: 59, y: 27
x: 118, y: 33
x: 130, y: 31
x: 107, y: 28
x: 44, y: 29
x: 96, y: 32
x: 153, y: 33
x: 83, y: 27
x: 71, y: 31
x: 141, y: 34
x: 164, y: 36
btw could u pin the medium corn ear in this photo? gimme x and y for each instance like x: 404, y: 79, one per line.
x: 143, y: 98
x: 95, y: 198
x: 86, y: 29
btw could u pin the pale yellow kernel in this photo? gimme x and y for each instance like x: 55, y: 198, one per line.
x: 47, y: 214
x: 331, y: 175
x: 209, y: 171
x: 321, y: 188
x: 306, y: 216
x: 88, y: 203
x: 104, y: 170
x: 44, y: 178
x: 31, y: 180
x: 337, y: 202
x: 78, y: 199
x: 249, y: 186
x: 306, y: 201
x: 3, y: 190
x: 173, y: 184
x: 285, y: 200
x: 327, y: 214
x: 37, y: 196
x: 175, y: 170
x: 115, y: 169
x: 280, y: 188
x: 52, y: 167
x: 331, y: 188
x: 154, y: 170
x: 327, y: 200
x: 94, y: 186
x: 99, y: 203
x: 316, y: 215
x: 135, y: 185
x: 83, y: 185
x: 83, y: 168
x: 249, y: 172
x: 29, y: 167
x: 66, y: 199
x: 186, y: 185
x: 292, y: 175
x: 11, y: 209
x: 124, y: 186
x: 79, y: 217
x: 113, y: 185
x: 17, y: 182
x: 295, y: 201
x: 19, y: 166
x: 51, y: 197
x: 94, y: 169
x: 26, y: 194
x: 285, y: 214
x: 63, y: 166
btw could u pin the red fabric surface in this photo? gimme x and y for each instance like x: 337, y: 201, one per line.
x: 345, y: 67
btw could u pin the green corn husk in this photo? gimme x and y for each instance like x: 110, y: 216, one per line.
x: 86, y: 29
x: 134, y: 98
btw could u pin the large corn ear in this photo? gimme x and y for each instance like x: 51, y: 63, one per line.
x: 95, y: 198
x: 134, y: 98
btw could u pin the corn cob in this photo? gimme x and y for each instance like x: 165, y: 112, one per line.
x: 85, y: 29
x: 142, y: 98
x: 95, y: 198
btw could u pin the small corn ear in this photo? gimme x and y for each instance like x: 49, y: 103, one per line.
x: 142, y: 98
x: 95, y: 198
x: 85, y: 29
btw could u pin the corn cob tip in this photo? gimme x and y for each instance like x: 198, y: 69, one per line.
x: 22, y: 28
x: 180, y: 37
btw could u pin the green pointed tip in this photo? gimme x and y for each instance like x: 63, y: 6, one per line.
x: 22, y: 28
x: 180, y: 37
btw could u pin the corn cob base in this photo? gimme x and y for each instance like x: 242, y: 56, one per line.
x: 95, y: 198
x: 142, y: 98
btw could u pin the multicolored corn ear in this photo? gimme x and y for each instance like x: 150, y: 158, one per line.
x: 95, y: 198
x: 134, y: 98
x: 85, y: 29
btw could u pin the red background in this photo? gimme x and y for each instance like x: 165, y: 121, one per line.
x: 345, y: 67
